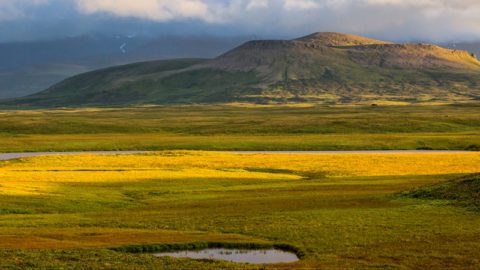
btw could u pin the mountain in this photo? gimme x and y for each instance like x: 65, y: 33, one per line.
x: 322, y: 67
x: 473, y: 47
x: 31, y: 66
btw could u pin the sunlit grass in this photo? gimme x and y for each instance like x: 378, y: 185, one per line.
x: 369, y: 164
x: 340, y: 210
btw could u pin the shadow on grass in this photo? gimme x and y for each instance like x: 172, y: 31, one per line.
x: 306, y: 175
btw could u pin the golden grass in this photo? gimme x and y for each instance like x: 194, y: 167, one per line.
x: 40, y: 175
x: 42, y: 179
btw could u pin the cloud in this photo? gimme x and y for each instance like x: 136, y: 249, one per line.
x: 300, y: 4
x: 406, y: 19
x: 157, y: 10
x: 15, y: 9
x: 413, y: 19
x: 435, y: 20
x: 255, y: 4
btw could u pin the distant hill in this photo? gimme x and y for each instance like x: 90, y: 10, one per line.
x: 29, y: 67
x: 322, y: 67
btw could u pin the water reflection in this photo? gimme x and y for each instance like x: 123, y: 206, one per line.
x: 236, y: 255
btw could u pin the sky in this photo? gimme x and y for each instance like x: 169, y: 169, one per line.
x: 394, y: 20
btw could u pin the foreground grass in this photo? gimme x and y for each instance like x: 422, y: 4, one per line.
x: 232, y: 127
x: 339, y: 210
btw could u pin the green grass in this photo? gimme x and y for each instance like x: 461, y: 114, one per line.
x: 100, y: 259
x: 464, y: 191
x: 353, y: 222
x: 225, y: 127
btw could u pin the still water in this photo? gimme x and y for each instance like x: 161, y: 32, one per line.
x: 236, y: 255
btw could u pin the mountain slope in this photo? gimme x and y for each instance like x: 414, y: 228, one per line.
x: 29, y: 67
x: 332, y: 39
x: 322, y: 67
x: 473, y: 47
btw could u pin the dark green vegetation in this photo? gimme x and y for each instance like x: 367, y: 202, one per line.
x: 222, y: 127
x: 463, y: 191
x: 324, y: 68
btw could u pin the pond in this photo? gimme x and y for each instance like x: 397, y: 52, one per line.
x: 236, y: 255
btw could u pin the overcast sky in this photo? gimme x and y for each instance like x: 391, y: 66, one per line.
x: 396, y: 20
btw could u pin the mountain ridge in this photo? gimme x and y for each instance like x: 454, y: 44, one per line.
x: 323, y: 67
x: 333, y: 39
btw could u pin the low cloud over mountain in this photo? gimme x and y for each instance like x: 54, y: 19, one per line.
x: 399, y: 20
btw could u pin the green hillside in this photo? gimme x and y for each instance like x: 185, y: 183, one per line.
x: 464, y: 191
x: 323, y: 67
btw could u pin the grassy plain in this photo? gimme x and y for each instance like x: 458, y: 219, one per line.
x: 342, y: 211
x: 234, y: 127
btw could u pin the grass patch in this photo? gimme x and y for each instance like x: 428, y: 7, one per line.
x: 473, y: 147
x: 4, y: 211
x: 463, y: 191
x: 231, y: 127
